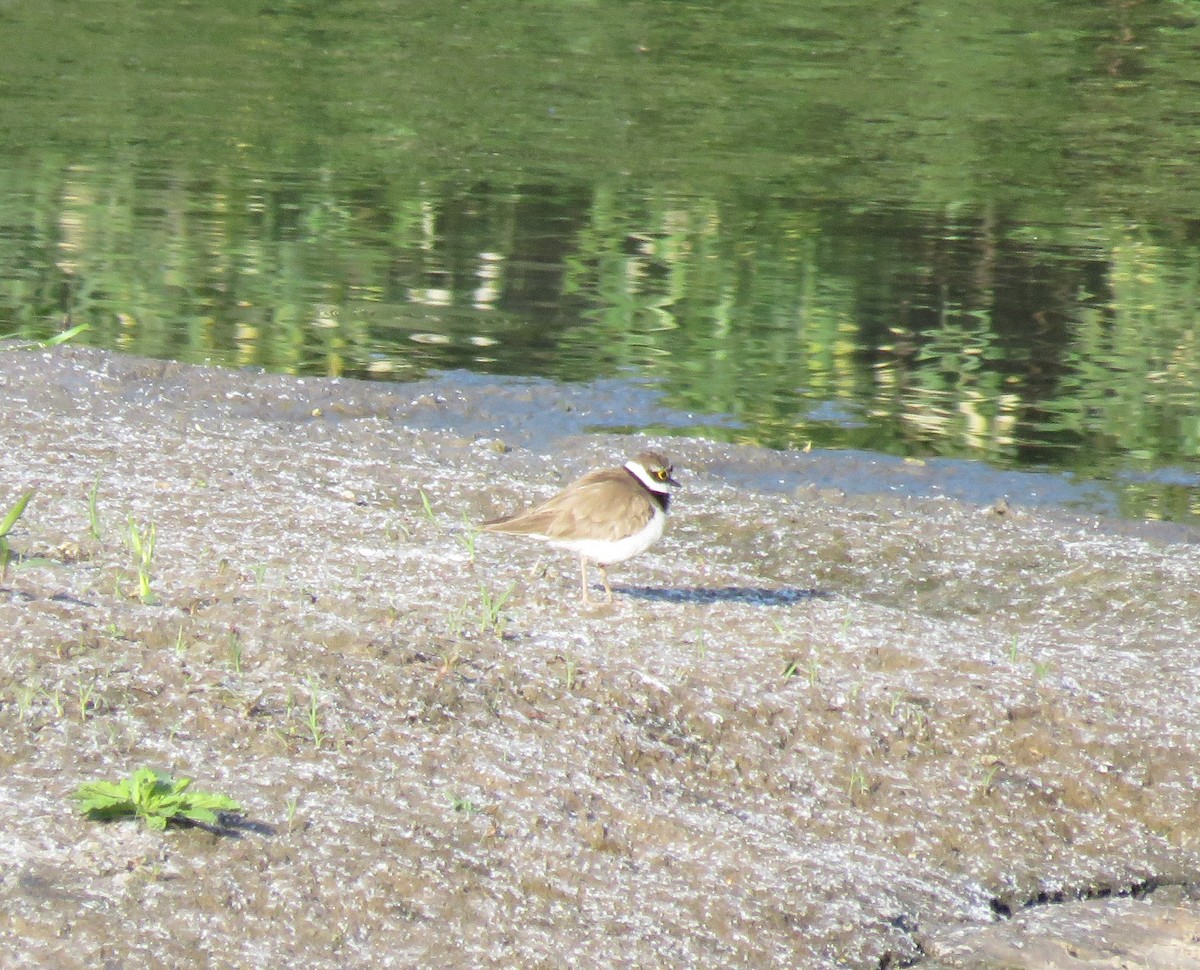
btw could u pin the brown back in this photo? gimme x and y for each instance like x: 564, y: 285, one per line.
x: 609, y: 504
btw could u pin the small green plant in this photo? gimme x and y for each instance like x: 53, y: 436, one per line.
x: 457, y: 621
x: 141, y: 543
x: 450, y: 658
x: 25, y: 695
x: 427, y: 506
x: 62, y: 338
x: 55, y: 699
x: 491, y: 609
x: 6, y: 525
x: 85, y: 692
x: 314, y: 710
x: 1014, y: 649
x: 469, y: 537
x: 259, y: 572
x: 989, y: 775
x: 94, y: 510
x: 464, y: 805
x: 292, y: 804
x: 858, y: 783
x: 180, y: 642
x: 812, y: 670
x: 58, y: 338
x: 235, y: 653
x: 155, y: 799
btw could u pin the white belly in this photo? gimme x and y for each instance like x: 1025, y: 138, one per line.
x: 609, y: 551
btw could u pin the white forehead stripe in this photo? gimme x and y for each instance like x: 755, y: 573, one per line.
x: 643, y: 476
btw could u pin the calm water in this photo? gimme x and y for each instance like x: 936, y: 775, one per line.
x: 930, y: 231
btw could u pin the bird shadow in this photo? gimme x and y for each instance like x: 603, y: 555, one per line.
x: 232, y: 825
x: 762, y: 595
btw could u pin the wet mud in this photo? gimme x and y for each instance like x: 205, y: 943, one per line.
x: 818, y: 727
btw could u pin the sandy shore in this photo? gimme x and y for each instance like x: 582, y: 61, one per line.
x: 814, y: 729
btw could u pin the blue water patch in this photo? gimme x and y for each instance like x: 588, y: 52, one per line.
x: 536, y: 413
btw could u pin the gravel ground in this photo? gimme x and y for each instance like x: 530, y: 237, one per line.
x: 815, y: 729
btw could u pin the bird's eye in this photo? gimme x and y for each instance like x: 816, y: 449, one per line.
x: 661, y: 475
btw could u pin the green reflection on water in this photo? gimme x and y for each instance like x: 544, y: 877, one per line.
x: 973, y: 231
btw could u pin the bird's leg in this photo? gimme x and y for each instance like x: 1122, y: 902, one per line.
x: 583, y: 579
x: 604, y: 579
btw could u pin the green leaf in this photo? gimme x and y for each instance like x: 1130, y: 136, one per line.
x: 28, y: 561
x: 202, y: 815
x: 96, y: 804
x: 206, y: 801
x: 103, y: 791
x: 105, y: 799
x: 62, y: 338
x: 157, y: 800
x: 15, y: 513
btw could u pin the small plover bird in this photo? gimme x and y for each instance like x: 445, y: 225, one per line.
x: 606, y: 517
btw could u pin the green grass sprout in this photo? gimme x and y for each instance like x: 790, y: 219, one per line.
x: 469, y: 536
x: 141, y: 543
x: 85, y: 693
x: 427, y: 506
x: 55, y: 700
x: 314, y: 710
x: 62, y: 338
x: 58, y: 338
x: 292, y: 804
x: 6, y: 525
x: 94, y: 510
x: 235, y: 653
x: 491, y: 609
x: 465, y: 805
x: 153, y: 798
